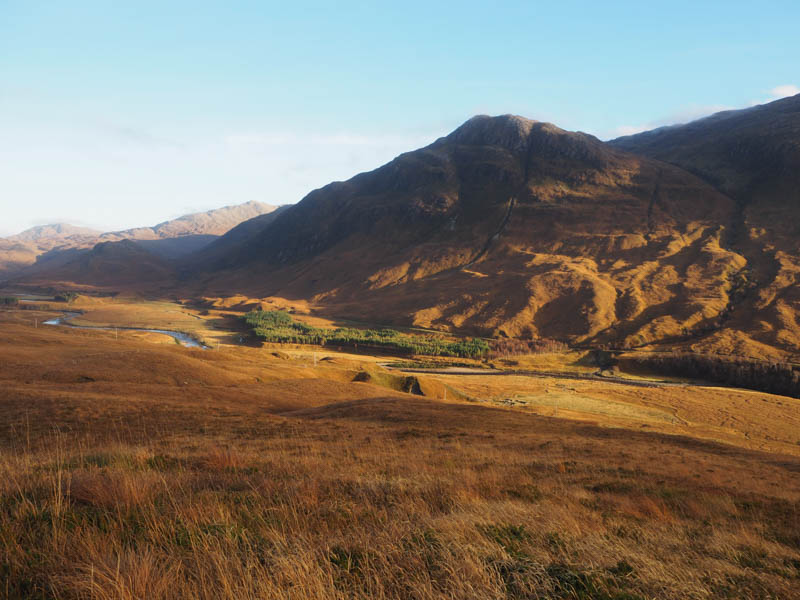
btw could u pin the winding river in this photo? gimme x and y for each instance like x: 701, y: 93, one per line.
x: 183, y: 338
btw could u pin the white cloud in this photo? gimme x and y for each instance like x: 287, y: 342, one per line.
x: 693, y: 112
x: 784, y: 91
x: 629, y: 130
x: 776, y: 93
x: 683, y: 115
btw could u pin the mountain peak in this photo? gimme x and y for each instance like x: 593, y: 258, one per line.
x: 518, y: 134
x: 508, y: 131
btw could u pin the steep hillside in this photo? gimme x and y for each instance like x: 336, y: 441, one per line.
x: 753, y: 155
x: 228, y: 245
x: 505, y: 227
x: 685, y: 237
x: 739, y: 151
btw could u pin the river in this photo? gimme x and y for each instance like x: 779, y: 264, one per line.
x: 183, y: 338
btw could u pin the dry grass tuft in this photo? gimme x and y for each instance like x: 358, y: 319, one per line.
x: 124, y: 574
x: 224, y: 459
x: 112, y: 488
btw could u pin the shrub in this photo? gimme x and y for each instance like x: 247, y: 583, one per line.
x: 65, y: 296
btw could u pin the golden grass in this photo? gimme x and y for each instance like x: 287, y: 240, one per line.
x: 395, y: 501
x: 111, y: 489
x: 745, y: 418
x: 236, y: 474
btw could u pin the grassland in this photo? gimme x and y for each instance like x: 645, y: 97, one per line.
x: 137, y: 470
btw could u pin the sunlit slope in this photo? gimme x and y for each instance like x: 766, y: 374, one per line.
x: 753, y: 155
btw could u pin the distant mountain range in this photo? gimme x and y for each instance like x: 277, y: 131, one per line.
x: 48, y: 246
x: 682, y: 237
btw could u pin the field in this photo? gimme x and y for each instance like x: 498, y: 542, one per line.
x: 133, y: 469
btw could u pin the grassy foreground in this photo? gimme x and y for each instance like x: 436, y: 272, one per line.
x: 133, y: 470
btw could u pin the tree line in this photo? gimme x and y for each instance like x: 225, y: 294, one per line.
x: 278, y: 326
x: 771, y: 377
x: 507, y: 347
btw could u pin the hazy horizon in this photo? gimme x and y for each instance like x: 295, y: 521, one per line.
x: 125, y: 116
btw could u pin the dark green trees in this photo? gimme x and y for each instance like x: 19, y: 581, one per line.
x: 278, y: 326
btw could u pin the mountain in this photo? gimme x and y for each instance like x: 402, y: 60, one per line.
x: 226, y: 245
x: 506, y: 227
x: 53, y: 234
x: 753, y: 156
x: 52, y: 246
x: 213, y: 222
x: 20, y: 250
x: 123, y: 263
x: 744, y: 153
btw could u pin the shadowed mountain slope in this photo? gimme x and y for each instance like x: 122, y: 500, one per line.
x: 741, y: 152
x: 123, y: 263
x: 506, y: 226
x: 227, y: 246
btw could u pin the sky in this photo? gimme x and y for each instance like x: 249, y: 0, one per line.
x: 122, y: 114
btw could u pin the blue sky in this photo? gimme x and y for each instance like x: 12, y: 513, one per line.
x: 120, y: 114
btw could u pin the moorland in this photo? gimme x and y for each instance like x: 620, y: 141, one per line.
x: 517, y: 363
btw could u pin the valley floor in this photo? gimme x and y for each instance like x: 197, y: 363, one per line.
x: 131, y: 469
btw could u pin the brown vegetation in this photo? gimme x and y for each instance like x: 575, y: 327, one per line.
x: 132, y: 470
